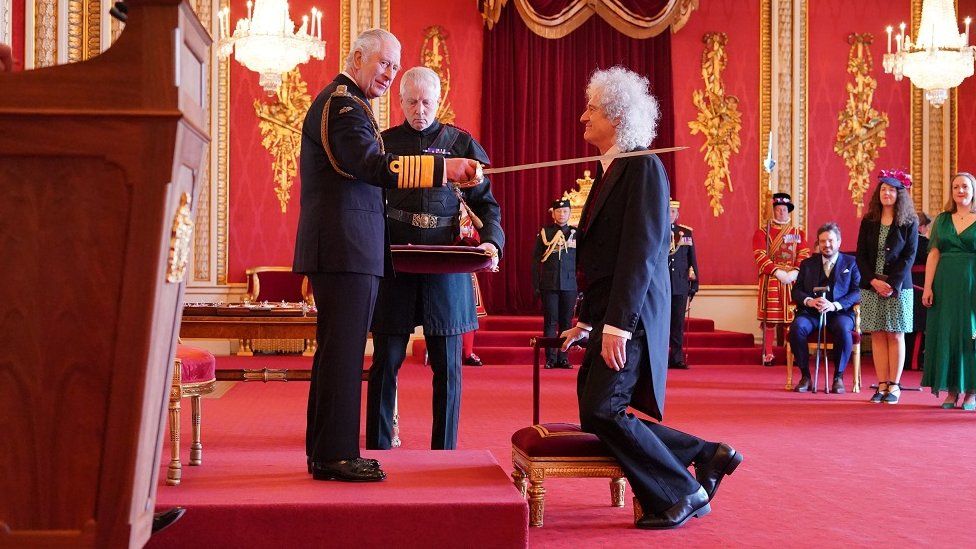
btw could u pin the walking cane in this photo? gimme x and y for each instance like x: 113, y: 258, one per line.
x: 821, y: 337
x: 684, y: 334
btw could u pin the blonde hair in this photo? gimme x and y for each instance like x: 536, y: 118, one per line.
x: 950, y: 205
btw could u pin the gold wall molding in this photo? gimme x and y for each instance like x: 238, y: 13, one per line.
x: 45, y: 34
x: 719, y: 120
x: 6, y: 21
x: 673, y: 15
x: 84, y: 29
x: 435, y: 56
x: 280, y: 121
x: 861, y: 128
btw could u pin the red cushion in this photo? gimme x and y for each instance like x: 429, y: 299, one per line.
x: 558, y: 440
x: 197, y: 364
x: 424, y: 259
x: 275, y: 286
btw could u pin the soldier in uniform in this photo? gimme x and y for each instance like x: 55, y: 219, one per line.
x: 554, y: 277
x: 341, y: 243
x: 442, y: 303
x: 778, y: 248
x: 683, y: 264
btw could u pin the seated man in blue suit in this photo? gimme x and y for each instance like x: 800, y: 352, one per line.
x: 838, y: 274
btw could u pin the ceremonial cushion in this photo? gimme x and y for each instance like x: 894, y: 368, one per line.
x: 274, y: 285
x: 424, y: 259
x: 563, y: 440
x: 196, y: 365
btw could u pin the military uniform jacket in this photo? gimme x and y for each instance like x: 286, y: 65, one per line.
x: 344, y: 169
x: 442, y: 303
x: 682, y: 259
x: 557, y: 272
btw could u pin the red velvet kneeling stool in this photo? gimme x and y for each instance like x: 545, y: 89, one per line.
x: 194, y: 375
x: 560, y: 450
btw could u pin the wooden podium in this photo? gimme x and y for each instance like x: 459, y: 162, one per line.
x: 100, y: 166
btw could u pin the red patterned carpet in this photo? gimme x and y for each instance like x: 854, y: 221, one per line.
x: 820, y: 470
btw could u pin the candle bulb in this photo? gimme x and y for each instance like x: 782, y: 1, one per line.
x: 318, y: 24
x: 968, y: 20
x: 249, y: 6
x: 901, y: 29
x: 898, y: 43
x: 889, y: 38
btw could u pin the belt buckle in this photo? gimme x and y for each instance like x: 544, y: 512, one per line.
x: 424, y: 221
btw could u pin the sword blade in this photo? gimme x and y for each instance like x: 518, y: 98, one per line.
x: 580, y: 160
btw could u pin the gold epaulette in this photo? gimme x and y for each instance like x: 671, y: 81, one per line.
x: 341, y: 91
x: 414, y: 172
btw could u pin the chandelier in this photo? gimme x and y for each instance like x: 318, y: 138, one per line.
x: 266, y: 41
x: 939, y: 59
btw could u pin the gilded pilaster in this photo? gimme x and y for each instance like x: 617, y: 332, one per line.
x: 220, y: 201
x: 356, y: 16
x: 45, y: 33
x: 202, y: 237
x: 6, y: 21
x: 84, y: 26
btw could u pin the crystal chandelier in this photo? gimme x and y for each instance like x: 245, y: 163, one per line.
x: 939, y: 59
x: 266, y: 41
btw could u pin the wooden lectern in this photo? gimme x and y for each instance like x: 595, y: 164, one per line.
x: 100, y: 167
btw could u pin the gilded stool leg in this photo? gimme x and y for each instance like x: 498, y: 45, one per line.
x: 196, y: 447
x: 518, y: 477
x: 245, y: 348
x: 537, y: 498
x: 857, y: 369
x: 395, y: 439
x: 309, y: 348
x: 618, y: 487
x: 175, y: 471
x: 638, y: 511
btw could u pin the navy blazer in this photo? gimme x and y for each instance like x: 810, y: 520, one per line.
x: 899, y: 253
x: 844, y: 283
x: 623, y: 259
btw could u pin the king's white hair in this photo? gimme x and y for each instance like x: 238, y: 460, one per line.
x: 624, y: 97
x: 421, y: 77
x: 367, y: 43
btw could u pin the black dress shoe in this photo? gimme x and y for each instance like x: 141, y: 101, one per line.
x: 678, y: 366
x: 368, y: 462
x: 838, y: 386
x: 563, y: 364
x: 803, y: 386
x: 347, y: 470
x: 550, y: 365
x: 723, y: 463
x: 694, y: 505
x: 472, y: 360
x: 163, y: 519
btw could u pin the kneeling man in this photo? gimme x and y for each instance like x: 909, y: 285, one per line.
x: 828, y: 287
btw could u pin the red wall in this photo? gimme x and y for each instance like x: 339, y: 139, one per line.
x: 724, y: 243
x: 830, y: 21
x: 259, y: 233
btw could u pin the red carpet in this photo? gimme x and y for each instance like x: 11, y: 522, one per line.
x: 820, y: 470
x: 504, y: 340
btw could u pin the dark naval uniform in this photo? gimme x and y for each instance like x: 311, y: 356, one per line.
x: 342, y: 247
x: 442, y: 303
x: 554, y: 278
x: 682, y: 261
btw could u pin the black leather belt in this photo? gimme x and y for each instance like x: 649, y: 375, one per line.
x: 420, y: 220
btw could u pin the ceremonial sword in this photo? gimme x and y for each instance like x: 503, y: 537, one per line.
x: 579, y: 160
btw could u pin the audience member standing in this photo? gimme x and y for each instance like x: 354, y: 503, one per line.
x: 950, y: 292
x: 886, y: 246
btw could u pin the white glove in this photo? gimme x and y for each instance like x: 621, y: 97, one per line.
x: 781, y: 275
x: 791, y: 277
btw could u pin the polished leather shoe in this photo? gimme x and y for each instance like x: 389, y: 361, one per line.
x: 347, y: 470
x: 563, y: 364
x: 472, y: 360
x: 678, y: 366
x: 722, y: 464
x: 366, y: 461
x: 838, y: 386
x: 164, y: 519
x: 803, y: 386
x: 694, y: 505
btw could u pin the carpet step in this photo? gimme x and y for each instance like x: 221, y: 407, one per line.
x: 517, y: 338
x: 519, y: 323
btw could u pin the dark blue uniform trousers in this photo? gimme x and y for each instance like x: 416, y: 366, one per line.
x: 839, y: 326
x: 389, y: 351
x: 557, y: 316
x: 654, y: 458
x: 345, y: 308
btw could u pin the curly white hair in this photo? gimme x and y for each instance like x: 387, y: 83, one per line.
x: 624, y: 97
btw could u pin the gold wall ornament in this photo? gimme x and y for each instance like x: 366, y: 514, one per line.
x: 434, y: 55
x: 179, y: 242
x: 280, y: 122
x: 861, y: 130
x: 719, y: 120
x: 577, y: 197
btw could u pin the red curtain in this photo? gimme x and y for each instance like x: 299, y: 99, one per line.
x: 534, y: 93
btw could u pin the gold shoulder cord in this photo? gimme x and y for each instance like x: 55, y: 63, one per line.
x: 342, y: 92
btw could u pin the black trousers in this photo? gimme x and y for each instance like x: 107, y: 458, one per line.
x: 389, y: 350
x: 839, y: 326
x: 676, y: 346
x: 910, y: 339
x: 557, y: 316
x: 345, y: 308
x: 654, y: 458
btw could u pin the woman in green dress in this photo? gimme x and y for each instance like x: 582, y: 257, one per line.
x: 886, y: 246
x: 950, y: 292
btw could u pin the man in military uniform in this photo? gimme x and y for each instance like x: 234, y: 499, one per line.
x: 341, y: 243
x: 442, y: 303
x: 554, y: 277
x: 683, y: 264
x: 778, y: 248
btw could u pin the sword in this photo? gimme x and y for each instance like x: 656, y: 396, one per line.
x: 579, y: 160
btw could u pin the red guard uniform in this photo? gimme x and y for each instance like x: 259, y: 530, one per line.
x: 783, y: 247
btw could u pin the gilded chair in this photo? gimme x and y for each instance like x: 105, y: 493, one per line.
x: 829, y: 344
x: 275, y: 284
x: 194, y: 375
